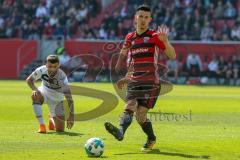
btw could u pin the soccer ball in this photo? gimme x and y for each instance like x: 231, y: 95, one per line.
x: 94, y: 147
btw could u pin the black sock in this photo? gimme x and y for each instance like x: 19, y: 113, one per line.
x: 147, y: 128
x: 125, y: 121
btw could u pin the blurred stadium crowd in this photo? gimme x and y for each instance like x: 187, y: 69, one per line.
x: 204, y: 20
x: 216, y: 68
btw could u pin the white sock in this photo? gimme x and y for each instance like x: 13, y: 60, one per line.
x: 38, y: 112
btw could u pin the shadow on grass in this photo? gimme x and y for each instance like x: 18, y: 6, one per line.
x: 66, y: 133
x: 98, y: 157
x: 157, y: 151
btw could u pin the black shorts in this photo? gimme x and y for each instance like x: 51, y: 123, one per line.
x: 145, y: 94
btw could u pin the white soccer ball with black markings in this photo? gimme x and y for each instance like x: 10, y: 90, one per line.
x: 94, y: 147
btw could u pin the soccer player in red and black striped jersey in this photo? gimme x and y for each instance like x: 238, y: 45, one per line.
x: 142, y: 47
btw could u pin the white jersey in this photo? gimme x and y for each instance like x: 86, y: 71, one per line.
x: 56, y: 83
x: 52, y: 87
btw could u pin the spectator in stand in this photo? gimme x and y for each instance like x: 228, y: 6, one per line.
x: 218, y: 13
x: 182, y: 67
x: 34, y: 33
x: 53, y: 20
x: 225, y: 30
x: 205, y: 66
x: 2, y: 22
x: 229, y: 71
x: 81, y: 13
x: 59, y: 31
x: 48, y: 31
x: 207, y: 32
x: 195, y: 33
x: 112, y: 35
x: 41, y: 11
x: 222, y: 68
x: 236, y: 67
x: 102, y: 32
x: 172, y: 66
x: 124, y: 10
x: 172, y: 33
x: 213, y: 67
x: 230, y: 12
x: 64, y: 58
x: 235, y: 32
x: 194, y: 64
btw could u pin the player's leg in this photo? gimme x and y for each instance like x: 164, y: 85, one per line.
x: 130, y: 107
x: 51, y: 125
x: 59, y: 122
x: 38, y: 99
x: 145, y: 103
x: 127, y: 116
x: 125, y: 121
x: 235, y: 75
x: 146, y: 125
x: 57, y: 116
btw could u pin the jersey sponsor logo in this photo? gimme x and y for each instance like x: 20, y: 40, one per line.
x: 139, y: 50
x: 45, y: 77
x: 52, y: 81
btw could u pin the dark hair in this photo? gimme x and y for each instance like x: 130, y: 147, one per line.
x: 53, y: 59
x: 144, y: 7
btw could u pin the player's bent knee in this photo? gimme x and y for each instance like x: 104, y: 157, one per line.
x: 131, y: 105
x: 37, y: 98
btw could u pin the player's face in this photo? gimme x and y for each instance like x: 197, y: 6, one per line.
x: 52, y: 68
x: 142, y: 19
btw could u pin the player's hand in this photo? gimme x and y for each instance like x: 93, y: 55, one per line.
x: 70, y: 121
x: 163, y: 33
x: 122, y: 82
x: 36, y: 94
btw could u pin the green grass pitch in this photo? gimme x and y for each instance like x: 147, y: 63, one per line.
x: 212, y: 131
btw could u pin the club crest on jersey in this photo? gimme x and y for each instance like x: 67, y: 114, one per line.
x: 145, y: 39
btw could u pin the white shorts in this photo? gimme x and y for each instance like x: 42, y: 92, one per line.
x: 53, y: 99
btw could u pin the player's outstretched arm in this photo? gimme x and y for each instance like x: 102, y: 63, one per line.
x: 68, y: 96
x: 163, y: 36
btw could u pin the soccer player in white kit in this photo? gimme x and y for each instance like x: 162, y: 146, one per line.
x: 52, y: 91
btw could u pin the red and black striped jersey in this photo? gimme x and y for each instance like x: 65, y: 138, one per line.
x: 143, y: 55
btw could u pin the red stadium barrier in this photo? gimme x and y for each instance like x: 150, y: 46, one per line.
x: 183, y: 48
x: 15, y: 54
